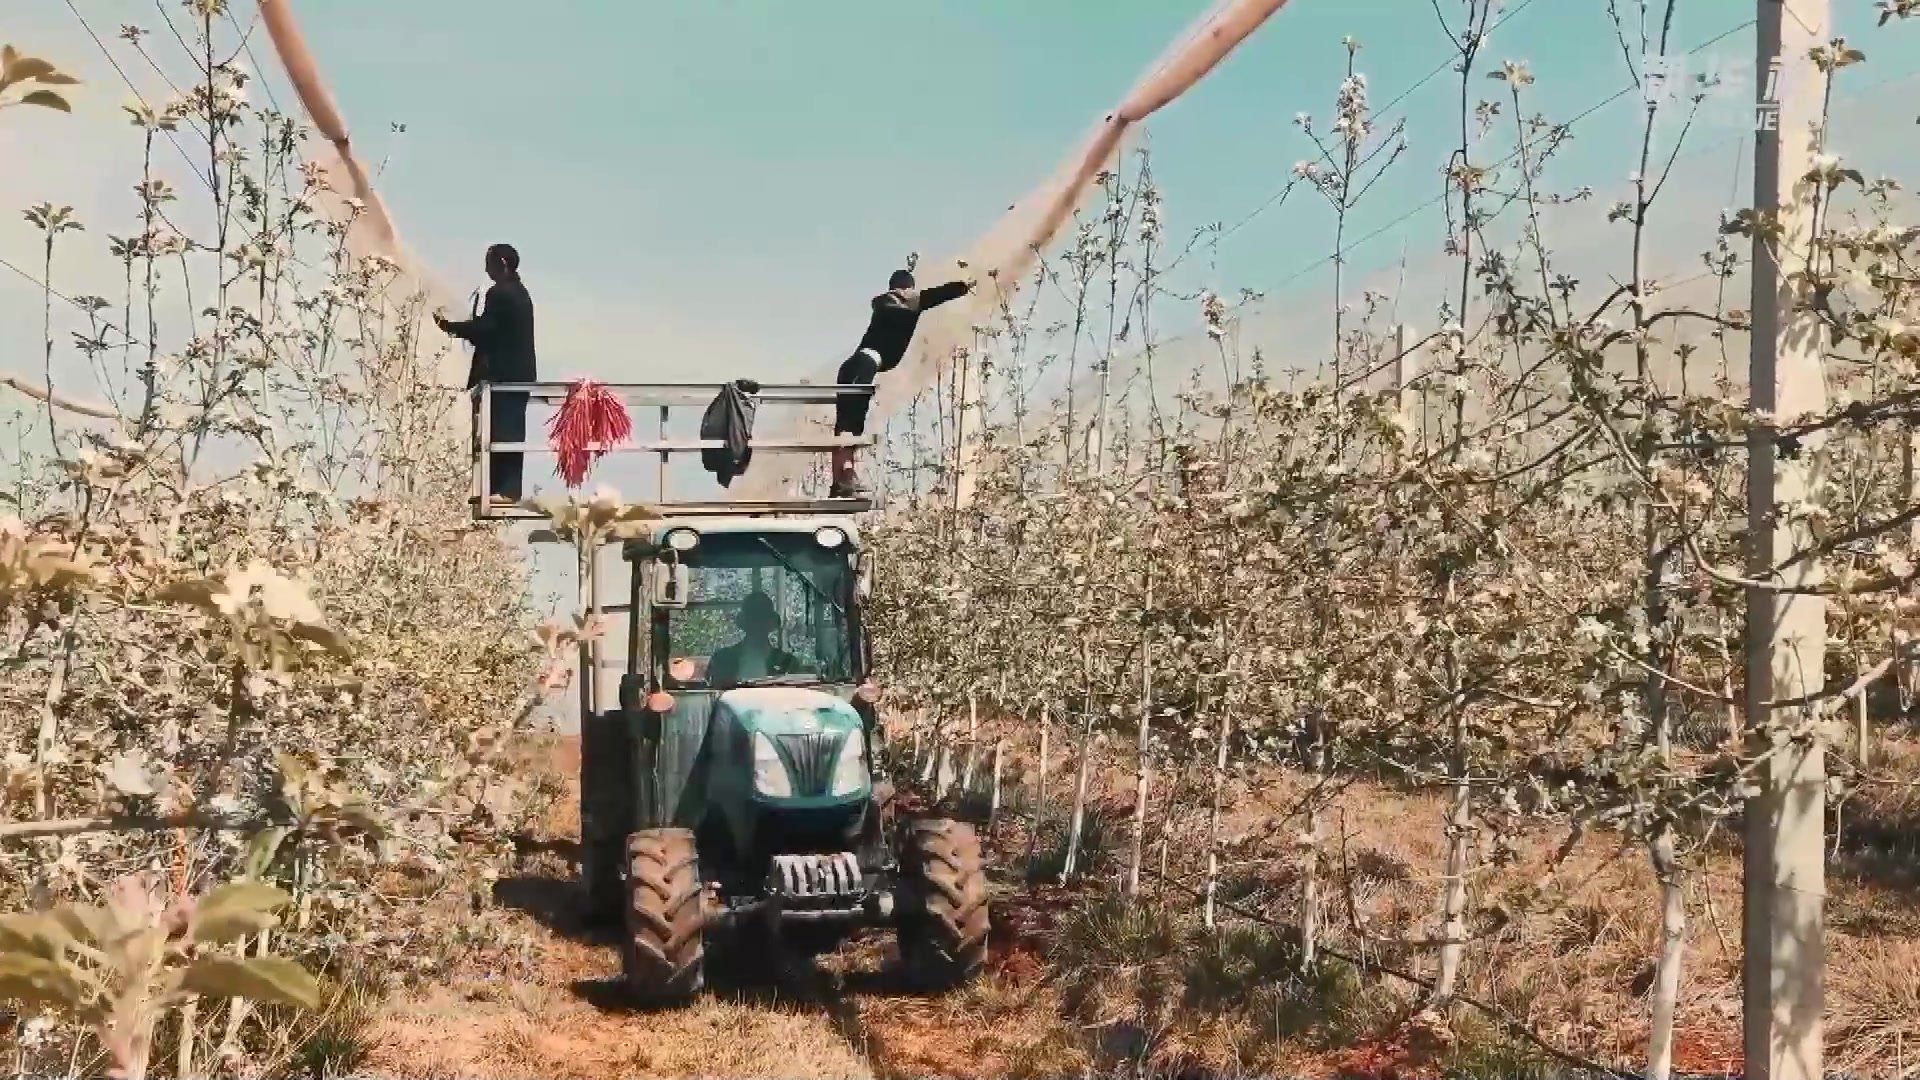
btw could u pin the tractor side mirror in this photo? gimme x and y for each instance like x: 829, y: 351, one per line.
x: 863, y: 576
x: 670, y: 584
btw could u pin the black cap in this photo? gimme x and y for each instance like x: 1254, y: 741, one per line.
x: 901, y: 279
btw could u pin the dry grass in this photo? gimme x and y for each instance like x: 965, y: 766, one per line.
x: 549, y: 1031
x: 1576, y: 966
x: 1873, y: 1006
x: 1080, y: 981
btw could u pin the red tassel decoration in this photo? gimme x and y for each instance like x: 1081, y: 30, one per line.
x: 591, y: 421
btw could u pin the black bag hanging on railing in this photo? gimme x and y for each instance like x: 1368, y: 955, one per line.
x: 729, y: 419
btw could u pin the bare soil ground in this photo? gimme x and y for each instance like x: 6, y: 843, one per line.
x: 1051, y: 1005
x: 842, y: 1017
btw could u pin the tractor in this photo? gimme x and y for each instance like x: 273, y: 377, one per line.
x: 737, y: 792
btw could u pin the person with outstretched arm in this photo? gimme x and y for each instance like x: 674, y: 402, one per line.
x: 502, y: 339
x: 896, y: 314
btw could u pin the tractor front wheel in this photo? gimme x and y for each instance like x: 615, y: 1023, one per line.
x: 665, y: 952
x: 943, y: 911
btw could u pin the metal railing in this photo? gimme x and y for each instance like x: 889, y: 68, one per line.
x: 666, y: 397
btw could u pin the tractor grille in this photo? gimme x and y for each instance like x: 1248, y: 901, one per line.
x: 816, y: 876
x: 812, y: 758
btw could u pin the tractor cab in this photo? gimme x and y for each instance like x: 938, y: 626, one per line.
x: 751, y: 629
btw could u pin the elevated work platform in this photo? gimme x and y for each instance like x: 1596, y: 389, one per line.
x: 738, y: 508
x: 665, y: 398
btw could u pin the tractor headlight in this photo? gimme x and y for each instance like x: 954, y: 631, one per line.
x: 769, y: 771
x: 682, y: 540
x: 850, y: 774
x: 829, y: 537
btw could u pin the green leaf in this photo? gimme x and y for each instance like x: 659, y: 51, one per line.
x: 36, y: 981
x: 57, y: 78
x: 32, y: 935
x: 235, y: 910
x: 85, y: 923
x: 293, y: 771
x: 197, y: 592
x: 27, y: 67
x: 324, y: 636
x: 262, y: 850
x: 47, y: 99
x: 260, y: 978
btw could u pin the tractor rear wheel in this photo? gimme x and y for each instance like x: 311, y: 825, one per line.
x: 664, y: 953
x: 943, y: 913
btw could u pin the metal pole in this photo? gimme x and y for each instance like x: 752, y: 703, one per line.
x: 1783, y: 926
x: 589, y: 649
x: 484, y: 423
x: 663, y: 454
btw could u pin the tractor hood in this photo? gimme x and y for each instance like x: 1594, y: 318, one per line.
x: 805, y: 747
x: 785, y: 710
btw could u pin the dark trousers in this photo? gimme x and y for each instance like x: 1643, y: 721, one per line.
x: 849, y: 411
x: 508, y: 416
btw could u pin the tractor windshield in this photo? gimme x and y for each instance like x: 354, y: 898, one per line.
x: 763, y: 610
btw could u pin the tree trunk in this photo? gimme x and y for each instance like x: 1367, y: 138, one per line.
x: 1310, y: 891
x: 1040, y: 781
x: 942, y: 773
x: 973, y: 743
x: 1213, y: 815
x: 183, y: 1054
x: 1459, y: 826
x: 1143, y: 765
x: 993, y: 804
x: 932, y: 761
x: 1673, y: 943
x: 49, y: 732
x: 1078, y: 820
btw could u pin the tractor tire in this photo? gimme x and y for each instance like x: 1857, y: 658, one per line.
x: 943, y: 914
x: 664, y: 953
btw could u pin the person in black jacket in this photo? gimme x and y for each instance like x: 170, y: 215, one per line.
x: 896, y: 314
x: 502, y: 338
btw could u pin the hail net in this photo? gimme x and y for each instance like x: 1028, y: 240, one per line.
x: 372, y: 230
x: 999, y: 259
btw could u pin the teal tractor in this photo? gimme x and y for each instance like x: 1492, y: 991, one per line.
x: 738, y: 788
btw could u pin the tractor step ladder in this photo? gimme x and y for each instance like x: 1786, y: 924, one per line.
x: 666, y: 397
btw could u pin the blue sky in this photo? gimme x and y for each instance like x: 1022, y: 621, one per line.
x: 723, y: 182
x: 746, y: 171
